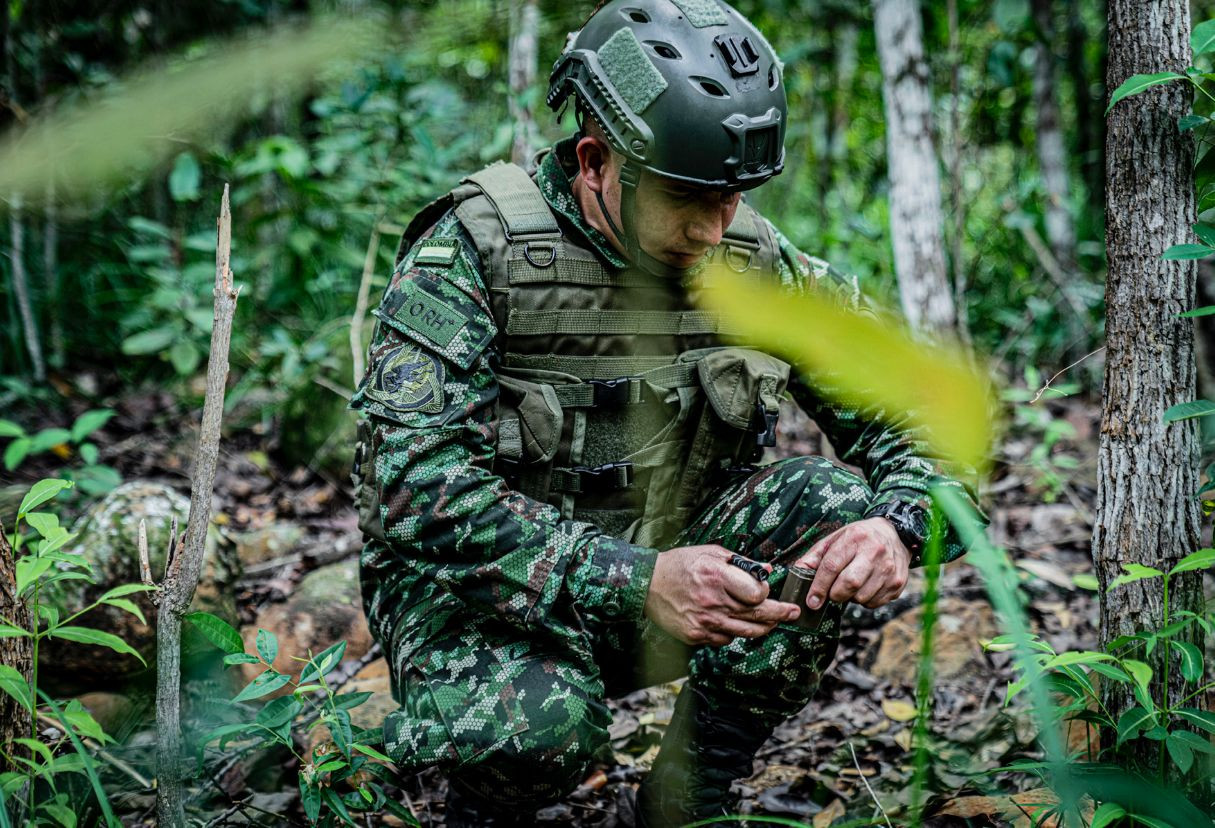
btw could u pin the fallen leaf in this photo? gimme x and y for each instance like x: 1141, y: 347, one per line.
x: 903, y: 739
x: 899, y: 711
x: 1048, y: 572
x: 829, y: 814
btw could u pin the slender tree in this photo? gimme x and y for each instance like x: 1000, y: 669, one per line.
x: 15, y: 652
x: 916, y: 223
x: 1052, y: 148
x: 524, y: 40
x: 1147, y: 470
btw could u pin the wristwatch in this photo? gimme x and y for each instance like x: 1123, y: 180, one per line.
x: 910, y: 521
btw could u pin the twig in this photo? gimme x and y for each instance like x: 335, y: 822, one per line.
x: 145, y: 566
x: 181, y: 577
x: 1042, y: 390
x: 360, y: 306
x: 872, y: 795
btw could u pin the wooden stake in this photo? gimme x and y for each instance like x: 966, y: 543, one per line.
x: 181, y: 576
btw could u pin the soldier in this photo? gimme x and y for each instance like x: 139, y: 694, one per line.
x: 555, y: 466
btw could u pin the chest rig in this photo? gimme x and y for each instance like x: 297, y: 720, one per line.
x: 621, y: 402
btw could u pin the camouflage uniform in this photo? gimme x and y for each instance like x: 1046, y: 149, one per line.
x: 505, y: 625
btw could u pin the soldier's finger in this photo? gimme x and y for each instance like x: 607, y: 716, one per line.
x: 738, y: 628
x: 819, y: 551
x: 874, y: 587
x: 851, y: 580
x: 828, y: 570
x: 742, y: 587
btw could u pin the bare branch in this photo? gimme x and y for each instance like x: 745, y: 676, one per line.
x: 360, y: 307
x: 145, y: 565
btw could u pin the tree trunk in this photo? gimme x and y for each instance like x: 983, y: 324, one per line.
x: 915, y: 183
x: 15, y: 653
x: 1147, y: 471
x: 956, y: 202
x: 21, y: 287
x: 1052, y: 152
x: 525, y: 26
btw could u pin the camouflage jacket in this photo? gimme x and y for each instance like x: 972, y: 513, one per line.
x: 456, y: 529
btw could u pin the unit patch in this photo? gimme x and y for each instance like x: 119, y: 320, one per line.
x: 408, y: 379
x: 425, y: 314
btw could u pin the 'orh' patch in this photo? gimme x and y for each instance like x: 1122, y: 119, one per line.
x: 425, y: 314
x: 408, y: 379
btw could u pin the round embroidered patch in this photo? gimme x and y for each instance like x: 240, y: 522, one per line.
x: 408, y: 379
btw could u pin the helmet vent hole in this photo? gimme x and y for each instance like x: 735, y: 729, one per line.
x: 709, y: 87
x: 773, y: 78
x: 664, y: 50
x: 636, y: 15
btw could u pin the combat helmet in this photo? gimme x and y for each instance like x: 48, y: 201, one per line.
x: 687, y: 89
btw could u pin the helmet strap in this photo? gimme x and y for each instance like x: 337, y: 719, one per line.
x: 630, y: 176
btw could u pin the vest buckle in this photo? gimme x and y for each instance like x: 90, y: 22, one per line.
x: 605, y: 478
x: 547, y: 250
x: 766, y: 420
x: 613, y: 393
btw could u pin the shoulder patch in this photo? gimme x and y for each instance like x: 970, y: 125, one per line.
x: 437, y: 251
x: 426, y: 314
x: 438, y: 315
x: 408, y: 379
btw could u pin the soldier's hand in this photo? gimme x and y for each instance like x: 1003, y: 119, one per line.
x: 696, y: 596
x: 863, y: 562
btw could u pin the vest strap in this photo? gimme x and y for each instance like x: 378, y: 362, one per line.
x: 586, y: 367
x: 618, y: 322
x: 584, y: 479
x: 519, y: 202
x: 613, y: 393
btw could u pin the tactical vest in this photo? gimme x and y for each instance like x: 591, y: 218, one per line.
x: 621, y: 403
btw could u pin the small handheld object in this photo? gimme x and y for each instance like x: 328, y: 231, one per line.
x: 753, y: 568
x: 826, y: 618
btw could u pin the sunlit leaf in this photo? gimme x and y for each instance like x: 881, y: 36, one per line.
x: 218, y: 631
x: 15, y: 685
x: 1186, y: 252
x: 1207, y: 310
x: 90, y: 421
x: 1138, y: 83
x: 1189, y: 410
x: 852, y: 355
x: 1134, y: 572
x: 86, y: 635
x: 40, y: 493
x: 267, y: 682
x: 145, y: 122
x: 267, y: 645
x: 1202, y: 559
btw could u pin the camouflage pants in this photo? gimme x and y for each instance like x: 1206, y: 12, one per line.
x: 518, y: 720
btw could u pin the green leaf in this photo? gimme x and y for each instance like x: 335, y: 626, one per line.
x: 267, y: 682
x: 44, y: 523
x: 324, y: 662
x: 1191, y: 660
x: 368, y: 750
x: 149, y: 342
x: 40, y: 493
x: 49, y: 438
x: 184, y: 357
x: 9, y: 631
x: 279, y: 711
x: 267, y: 646
x: 1085, y: 580
x: 240, y: 658
x: 90, y: 421
x: 1202, y: 719
x: 1106, y: 814
x: 126, y: 589
x: 1086, y: 657
x: 125, y: 604
x: 225, y: 732
x: 1134, y: 572
x: 61, y: 813
x: 1189, y: 410
x: 89, y: 454
x: 1133, y: 721
x: 310, y: 799
x: 185, y: 178
x: 1202, y: 559
x: 16, y: 451
x: 85, y: 635
x: 1206, y: 310
x: 10, y: 429
x: 15, y: 685
x: 1193, y: 741
x: 29, y: 570
x: 335, y: 802
x: 1202, y: 38
x: 1140, y: 672
x: 1187, y: 252
x: 1188, y: 122
x: 1138, y: 83
x: 1180, y: 752
x: 37, y: 747
x: 346, y: 701
x: 218, y: 631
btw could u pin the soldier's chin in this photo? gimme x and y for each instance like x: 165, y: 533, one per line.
x: 683, y: 260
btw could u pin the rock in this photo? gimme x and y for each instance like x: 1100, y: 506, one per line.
x: 268, y: 543
x: 895, y: 656
x: 326, y: 607
x: 108, y: 537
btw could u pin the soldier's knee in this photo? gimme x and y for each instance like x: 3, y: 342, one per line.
x: 827, y: 490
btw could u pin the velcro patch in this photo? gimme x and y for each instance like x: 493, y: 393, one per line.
x: 408, y: 379
x: 437, y: 252
x: 427, y: 315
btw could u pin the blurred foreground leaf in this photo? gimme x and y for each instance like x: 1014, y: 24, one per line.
x: 865, y: 360
x: 153, y: 112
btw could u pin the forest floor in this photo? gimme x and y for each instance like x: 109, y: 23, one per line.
x: 846, y: 756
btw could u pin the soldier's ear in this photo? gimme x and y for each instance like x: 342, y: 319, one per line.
x: 594, y: 162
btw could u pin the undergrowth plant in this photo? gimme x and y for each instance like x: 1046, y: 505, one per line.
x: 32, y: 796
x: 94, y: 477
x: 339, y: 777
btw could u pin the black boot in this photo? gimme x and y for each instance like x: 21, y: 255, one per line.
x: 464, y: 809
x: 702, y: 753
